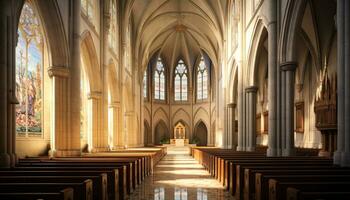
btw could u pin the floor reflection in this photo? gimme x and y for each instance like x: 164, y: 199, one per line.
x: 179, y: 177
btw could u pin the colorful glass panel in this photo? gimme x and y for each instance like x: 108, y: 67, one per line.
x: 202, y: 81
x: 180, y: 84
x: 29, y: 63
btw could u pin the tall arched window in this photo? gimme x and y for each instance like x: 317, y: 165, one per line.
x: 202, y: 80
x: 112, y: 41
x: 180, y: 84
x: 145, y: 79
x: 88, y: 8
x: 159, y: 81
x: 29, y: 71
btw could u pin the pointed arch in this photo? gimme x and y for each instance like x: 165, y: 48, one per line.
x: 201, y: 133
x: 90, y: 62
x: 260, y: 35
x: 161, y: 132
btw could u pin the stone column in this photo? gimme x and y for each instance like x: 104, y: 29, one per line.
x: 281, y: 141
x: 272, y: 80
x: 5, y: 25
x: 288, y: 69
x: 346, y: 57
x: 99, y: 137
x: 62, y: 142
x: 114, y: 110
x: 340, y: 82
x: 251, y: 111
x: 232, y: 125
x: 226, y: 136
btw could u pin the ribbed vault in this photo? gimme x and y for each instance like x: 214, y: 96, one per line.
x: 177, y: 29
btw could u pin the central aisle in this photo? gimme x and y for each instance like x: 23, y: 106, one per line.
x: 179, y: 177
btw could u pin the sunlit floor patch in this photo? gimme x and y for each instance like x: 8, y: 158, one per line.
x: 179, y: 177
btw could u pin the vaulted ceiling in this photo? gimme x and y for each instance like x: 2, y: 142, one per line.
x: 177, y: 29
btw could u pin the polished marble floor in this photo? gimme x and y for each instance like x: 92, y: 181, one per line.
x: 179, y: 177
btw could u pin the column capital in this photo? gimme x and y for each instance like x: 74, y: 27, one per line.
x: 251, y: 89
x: 57, y: 71
x: 95, y: 95
x: 231, y: 105
x: 288, y: 66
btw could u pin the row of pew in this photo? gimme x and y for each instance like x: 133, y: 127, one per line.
x: 98, y: 176
x: 254, y: 176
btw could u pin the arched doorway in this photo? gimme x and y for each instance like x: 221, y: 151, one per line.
x: 161, y: 133
x: 201, y: 133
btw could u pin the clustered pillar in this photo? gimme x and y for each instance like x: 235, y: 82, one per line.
x: 251, y: 120
x: 272, y: 77
x: 342, y: 155
x: 287, y: 110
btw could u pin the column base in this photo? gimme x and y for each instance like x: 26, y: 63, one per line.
x: 5, y: 160
x: 337, y: 158
x: 240, y: 148
x: 66, y: 153
x: 99, y: 149
x: 250, y: 149
x: 345, y: 159
x: 288, y: 152
x: 271, y: 152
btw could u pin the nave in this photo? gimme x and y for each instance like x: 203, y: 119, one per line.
x: 178, y: 176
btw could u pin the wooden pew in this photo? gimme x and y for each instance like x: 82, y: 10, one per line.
x: 277, y: 189
x: 115, y: 184
x: 277, y: 164
x: 99, y: 182
x: 262, y: 177
x: 83, y: 190
x: 65, y: 194
x: 128, y: 184
x: 131, y: 164
x: 295, y: 194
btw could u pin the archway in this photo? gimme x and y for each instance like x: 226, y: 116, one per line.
x: 161, y: 133
x: 113, y: 105
x: 92, y: 106
x: 201, y: 133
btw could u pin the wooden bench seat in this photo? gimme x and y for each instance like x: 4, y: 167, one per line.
x: 82, y: 190
x: 129, y: 173
x: 65, y: 194
x: 278, y: 190
x: 99, y: 182
x: 262, y: 177
x: 296, y: 194
x: 115, y: 185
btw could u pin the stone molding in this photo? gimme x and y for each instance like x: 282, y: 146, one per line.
x: 58, y: 72
x: 288, y: 66
x: 251, y: 89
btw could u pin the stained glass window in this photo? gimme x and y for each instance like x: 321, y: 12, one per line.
x: 112, y: 41
x: 159, y: 81
x: 145, y: 84
x: 29, y: 64
x: 88, y: 8
x: 202, y: 81
x: 180, y: 84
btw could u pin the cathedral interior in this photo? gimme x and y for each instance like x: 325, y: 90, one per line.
x: 174, y: 99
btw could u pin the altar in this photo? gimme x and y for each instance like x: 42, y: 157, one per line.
x: 179, y: 136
